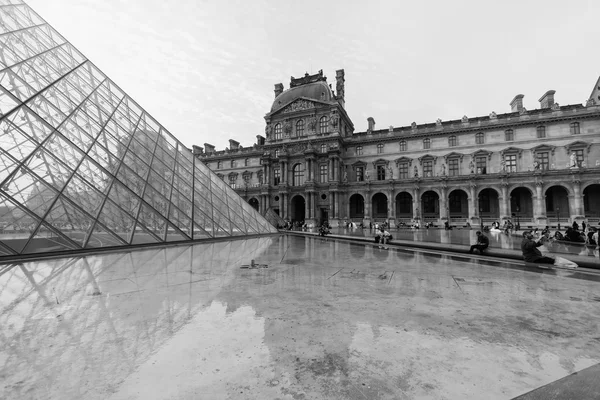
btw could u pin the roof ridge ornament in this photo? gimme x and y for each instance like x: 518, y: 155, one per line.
x: 318, y: 77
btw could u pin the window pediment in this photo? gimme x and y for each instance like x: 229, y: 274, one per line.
x: 380, y: 161
x: 247, y: 173
x: 358, y: 164
x: 453, y: 155
x: 512, y: 150
x: 482, y: 153
x: 543, y: 148
x: 578, y: 145
x: 404, y: 160
x: 427, y: 157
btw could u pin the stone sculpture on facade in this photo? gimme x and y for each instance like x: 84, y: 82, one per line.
x: 573, y: 160
x: 391, y: 172
x: 438, y: 122
x: 416, y: 172
x: 443, y: 171
x: 472, y: 167
x: 312, y: 124
x: 465, y: 119
x: 493, y: 115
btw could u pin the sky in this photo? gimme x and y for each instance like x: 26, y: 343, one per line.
x: 206, y: 69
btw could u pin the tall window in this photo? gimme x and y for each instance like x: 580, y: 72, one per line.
x: 300, y: 127
x: 429, y: 202
x: 511, y: 162
x: 276, y: 176
x: 403, y: 170
x: 259, y: 175
x: 380, y: 148
x: 246, y: 162
x: 246, y: 178
x: 509, y: 135
x: 233, y: 164
x: 426, y: 143
x: 381, y: 172
x: 277, y: 131
x: 277, y: 153
x: 579, y: 155
x: 479, y: 138
x: 403, y: 145
x: 427, y: 168
x: 232, y: 179
x: 298, y: 175
x: 453, y: 167
x: 541, y: 132
x: 360, y: 174
x: 543, y: 159
x: 481, y: 165
x: 219, y: 164
x: 323, y: 173
x: 323, y: 122
x: 359, y: 150
x: 452, y: 141
x: 574, y: 128
x: 323, y: 148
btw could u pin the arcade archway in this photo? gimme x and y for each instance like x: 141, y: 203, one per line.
x: 380, y: 206
x: 458, y: 205
x: 298, y: 208
x: 430, y: 206
x: 521, y: 204
x: 357, y: 206
x: 591, y: 202
x: 404, y: 207
x: 489, y: 205
x: 557, y: 204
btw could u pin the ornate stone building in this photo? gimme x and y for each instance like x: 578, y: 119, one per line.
x: 539, y: 167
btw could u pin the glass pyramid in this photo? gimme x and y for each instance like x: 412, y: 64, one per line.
x: 84, y: 166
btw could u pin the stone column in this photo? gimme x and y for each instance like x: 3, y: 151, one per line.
x: 577, y: 200
x: 416, y: 203
x: 539, y: 206
x: 444, y: 204
x: 367, y: 205
x: 473, y: 209
x: 391, y: 205
x: 284, y: 206
x: 504, y: 202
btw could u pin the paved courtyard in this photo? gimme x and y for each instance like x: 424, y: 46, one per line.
x: 320, y: 319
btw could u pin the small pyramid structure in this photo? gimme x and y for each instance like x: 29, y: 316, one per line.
x: 82, y: 165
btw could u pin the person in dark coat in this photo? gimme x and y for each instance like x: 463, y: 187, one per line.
x: 529, y: 247
x: 482, y: 243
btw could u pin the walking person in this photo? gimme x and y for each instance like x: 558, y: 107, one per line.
x: 482, y: 243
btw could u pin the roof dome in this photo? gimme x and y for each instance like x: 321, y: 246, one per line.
x: 315, y: 90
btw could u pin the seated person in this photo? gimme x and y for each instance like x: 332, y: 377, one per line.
x: 323, y: 230
x: 531, y: 254
x: 384, y: 237
x: 482, y: 243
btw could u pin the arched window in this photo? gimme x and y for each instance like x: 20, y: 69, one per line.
x: 277, y: 131
x: 509, y: 135
x: 246, y: 162
x: 403, y: 145
x: 452, y: 141
x: 380, y: 148
x: 427, y: 143
x: 541, y: 132
x: 300, y: 127
x: 298, y: 175
x: 233, y: 164
x: 479, y: 138
x: 359, y: 150
x: 323, y: 122
x: 323, y: 148
x: 219, y: 164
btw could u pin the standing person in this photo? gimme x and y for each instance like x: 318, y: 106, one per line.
x: 583, y: 225
x: 482, y: 243
x: 531, y: 254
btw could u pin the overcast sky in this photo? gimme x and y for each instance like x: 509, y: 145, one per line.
x: 206, y: 69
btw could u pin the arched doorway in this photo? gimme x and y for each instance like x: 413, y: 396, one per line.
x: 254, y: 203
x: 404, y: 207
x: 489, y: 206
x: 298, y: 207
x: 430, y: 206
x: 380, y: 206
x: 458, y: 206
x: 357, y: 206
x: 521, y: 205
x: 557, y: 205
x: 591, y: 202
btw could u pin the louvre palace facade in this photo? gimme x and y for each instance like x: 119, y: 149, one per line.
x: 539, y: 167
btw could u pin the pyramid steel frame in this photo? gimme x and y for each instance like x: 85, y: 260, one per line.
x: 84, y: 166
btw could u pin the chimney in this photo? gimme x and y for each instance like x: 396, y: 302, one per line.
x: 209, y: 148
x: 516, y: 105
x: 260, y: 140
x: 197, y: 150
x: 233, y: 145
x: 547, y: 100
x: 278, y: 89
x: 371, y: 122
x: 339, y: 86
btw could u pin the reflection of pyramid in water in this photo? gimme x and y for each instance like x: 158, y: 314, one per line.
x: 83, y: 166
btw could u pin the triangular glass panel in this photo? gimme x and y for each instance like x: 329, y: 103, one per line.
x: 101, y: 237
x: 46, y: 239
x: 142, y: 235
x: 117, y: 220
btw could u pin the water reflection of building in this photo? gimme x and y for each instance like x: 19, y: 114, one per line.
x: 539, y: 166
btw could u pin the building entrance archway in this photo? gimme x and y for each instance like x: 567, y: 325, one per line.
x: 521, y: 206
x: 557, y: 205
x: 357, y: 206
x: 254, y: 203
x: 298, y: 208
x: 591, y: 203
x: 380, y: 206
